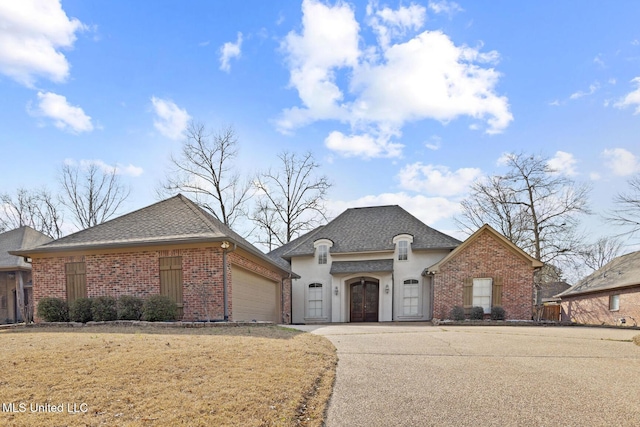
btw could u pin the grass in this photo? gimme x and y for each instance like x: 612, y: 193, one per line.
x: 636, y: 340
x: 243, y: 376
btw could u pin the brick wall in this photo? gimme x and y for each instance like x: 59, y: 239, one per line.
x: 486, y: 257
x: 593, y: 309
x: 137, y: 273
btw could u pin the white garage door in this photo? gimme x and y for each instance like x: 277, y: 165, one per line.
x: 254, y: 297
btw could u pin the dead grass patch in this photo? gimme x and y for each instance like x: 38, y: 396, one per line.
x: 244, y: 376
x: 636, y: 340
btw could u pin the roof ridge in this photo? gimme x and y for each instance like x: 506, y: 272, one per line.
x: 198, y: 211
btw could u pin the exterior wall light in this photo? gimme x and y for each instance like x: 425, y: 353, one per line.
x: 386, y: 289
x: 335, y: 291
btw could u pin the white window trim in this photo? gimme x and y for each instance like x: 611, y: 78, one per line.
x: 487, y: 308
x: 614, y: 302
x: 400, y: 306
x: 307, y: 301
x: 319, y: 243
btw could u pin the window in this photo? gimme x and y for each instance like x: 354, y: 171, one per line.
x: 403, y: 250
x: 411, y: 297
x: 315, y: 300
x: 482, y: 294
x: 322, y: 254
x: 614, y: 302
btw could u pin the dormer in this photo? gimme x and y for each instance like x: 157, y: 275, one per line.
x: 322, y: 250
x: 403, y: 243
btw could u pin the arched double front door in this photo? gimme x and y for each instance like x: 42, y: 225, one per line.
x: 364, y: 296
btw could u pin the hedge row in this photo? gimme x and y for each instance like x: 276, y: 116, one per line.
x: 477, y: 313
x: 156, y: 308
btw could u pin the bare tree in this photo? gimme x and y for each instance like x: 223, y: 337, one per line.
x: 92, y: 194
x: 597, y: 255
x: 627, y: 211
x: 36, y: 208
x: 205, y: 170
x: 533, y: 205
x: 291, y: 199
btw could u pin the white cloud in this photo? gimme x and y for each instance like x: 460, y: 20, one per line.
x: 437, y: 180
x: 563, y: 163
x: 427, y: 209
x: 424, y: 77
x: 365, y: 145
x: 65, y: 116
x: 230, y: 50
x: 171, y: 120
x: 594, y: 176
x: 84, y: 164
x: 434, y: 144
x: 621, y: 162
x: 504, y: 159
x: 632, y: 98
x: 598, y: 60
x: 329, y: 40
x: 592, y: 89
x: 390, y: 24
x: 443, y: 6
x: 32, y: 32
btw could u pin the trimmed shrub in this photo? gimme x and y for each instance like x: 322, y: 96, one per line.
x: 104, y: 309
x: 477, y: 313
x: 159, y: 308
x: 457, y: 313
x: 80, y: 310
x: 498, y: 313
x: 129, y: 307
x: 53, y: 310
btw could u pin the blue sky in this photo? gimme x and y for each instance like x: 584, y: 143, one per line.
x: 401, y: 102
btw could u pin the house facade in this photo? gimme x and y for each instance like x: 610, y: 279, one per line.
x: 486, y: 270
x: 16, y: 296
x: 172, y: 248
x: 373, y: 265
x: 608, y: 296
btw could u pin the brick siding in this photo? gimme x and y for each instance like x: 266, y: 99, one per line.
x: 485, y: 257
x: 593, y: 309
x: 138, y: 274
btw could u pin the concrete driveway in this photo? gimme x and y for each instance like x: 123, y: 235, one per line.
x: 423, y: 375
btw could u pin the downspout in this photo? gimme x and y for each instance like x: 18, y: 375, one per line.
x: 225, y: 298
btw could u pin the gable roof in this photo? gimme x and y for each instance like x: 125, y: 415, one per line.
x: 621, y: 272
x: 19, y: 239
x: 484, y: 229
x: 171, y: 221
x: 371, y: 229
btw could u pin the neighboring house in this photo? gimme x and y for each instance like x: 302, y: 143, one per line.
x: 16, y: 300
x: 608, y: 296
x: 547, y: 302
x: 173, y: 248
x: 379, y: 264
x: 546, y: 293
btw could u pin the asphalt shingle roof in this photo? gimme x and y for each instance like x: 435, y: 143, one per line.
x: 372, y: 229
x: 368, y: 266
x: 621, y: 272
x: 19, y: 239
x: 173, y: 220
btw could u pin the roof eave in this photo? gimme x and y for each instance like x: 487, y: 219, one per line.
x: 596, y: 291
x: 118, y: 245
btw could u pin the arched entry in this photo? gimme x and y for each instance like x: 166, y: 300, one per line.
x: 364, y: 295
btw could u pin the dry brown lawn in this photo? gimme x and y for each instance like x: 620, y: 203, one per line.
x: 145, y: 376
